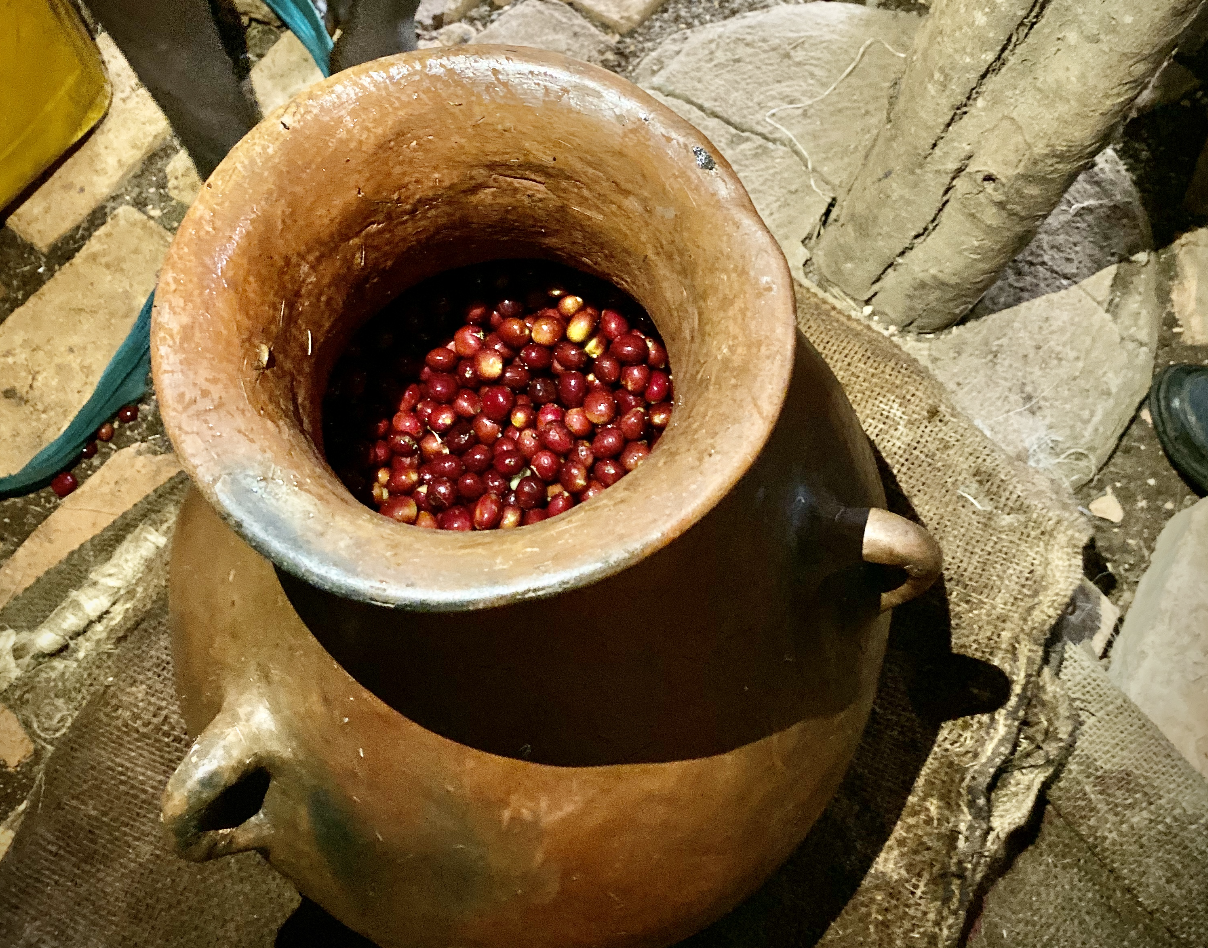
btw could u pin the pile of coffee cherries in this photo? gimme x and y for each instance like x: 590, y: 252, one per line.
x: 65, y: 482
x: 536, y: 402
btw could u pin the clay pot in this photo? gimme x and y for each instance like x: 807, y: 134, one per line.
x: 605, y: 729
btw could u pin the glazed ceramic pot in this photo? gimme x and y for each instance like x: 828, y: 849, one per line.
x: 605, y: 729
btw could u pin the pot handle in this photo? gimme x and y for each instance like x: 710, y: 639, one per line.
x: 212, y: 804
x: 891, y: 540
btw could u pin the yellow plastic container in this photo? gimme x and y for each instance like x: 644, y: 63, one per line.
x: 53, y: 88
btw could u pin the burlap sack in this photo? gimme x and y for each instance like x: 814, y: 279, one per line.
x: 1120, y: 858
x: 946, y: 768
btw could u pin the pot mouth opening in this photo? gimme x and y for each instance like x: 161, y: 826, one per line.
x: 304, y: 232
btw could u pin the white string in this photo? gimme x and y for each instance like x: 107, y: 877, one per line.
x: 809, y: 164
x: 970, y: 499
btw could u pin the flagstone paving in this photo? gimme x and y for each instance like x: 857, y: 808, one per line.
x: 55, y: 347
x: 131, y: 474
x: 133, y: 128
x: 285, y: 70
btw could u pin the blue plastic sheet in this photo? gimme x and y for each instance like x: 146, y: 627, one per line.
x: 124, y: 380
x: 305, y: 23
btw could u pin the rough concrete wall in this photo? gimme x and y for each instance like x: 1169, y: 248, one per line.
x: 1002, y: 104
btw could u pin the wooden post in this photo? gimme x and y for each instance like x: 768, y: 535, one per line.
x: 1002, y: 104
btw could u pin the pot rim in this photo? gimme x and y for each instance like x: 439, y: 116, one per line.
x: 315, y: 529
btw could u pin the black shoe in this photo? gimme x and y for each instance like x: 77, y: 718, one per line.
x: 1178, y: 402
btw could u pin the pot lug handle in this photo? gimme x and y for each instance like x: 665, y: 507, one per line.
x: 890, y: 540
x: 212, y: 804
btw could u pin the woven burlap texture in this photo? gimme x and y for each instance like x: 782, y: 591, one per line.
x: 896, y: 859
x: 1121, y: 856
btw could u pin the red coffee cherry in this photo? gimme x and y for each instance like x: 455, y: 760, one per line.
x: 64, y: 483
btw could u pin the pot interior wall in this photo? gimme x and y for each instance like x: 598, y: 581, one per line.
x: 470, y: 222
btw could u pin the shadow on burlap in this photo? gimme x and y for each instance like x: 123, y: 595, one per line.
x: 965, y: 730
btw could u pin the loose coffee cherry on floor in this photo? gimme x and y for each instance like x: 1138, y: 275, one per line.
x: 90, y: 450
x: 105, y: 432
x: 496, y: 411
x: 127, y: 414
x: 64, y: 483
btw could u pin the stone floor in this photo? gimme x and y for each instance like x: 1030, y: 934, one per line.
x: 1095, y: 286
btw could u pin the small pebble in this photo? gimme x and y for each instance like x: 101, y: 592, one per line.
x: 1108, y: 508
